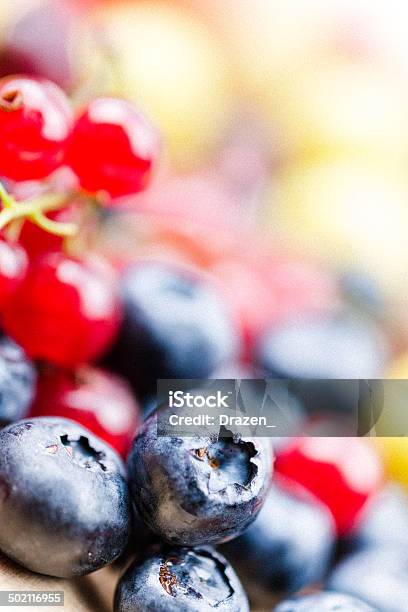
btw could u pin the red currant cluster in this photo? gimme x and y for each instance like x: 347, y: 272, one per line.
x: 61, y: 305
x: 111, y: 147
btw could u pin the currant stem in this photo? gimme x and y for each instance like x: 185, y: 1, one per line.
x: 34, y: 210
x: 54, y: 227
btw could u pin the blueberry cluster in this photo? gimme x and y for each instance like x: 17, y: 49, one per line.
x: 67, y: 491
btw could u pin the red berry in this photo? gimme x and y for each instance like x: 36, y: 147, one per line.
x: 13, y: 268
x: 113, y: 148
x: 94, y: 398
x: 35, y: 123
x: 344, y: 473
x: 65, y: 311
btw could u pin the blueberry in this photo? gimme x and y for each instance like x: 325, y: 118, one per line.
x: 323, y: 347
x: 288, y: 546
x: 311, y: 349
x: 197, y: 490
x: 17, y: 382
x: 174, y: 326
x: 379, y: 577
x: 64, y: 502
x: 384, y: 524
x: 181, y: 580
x: 324, y: 602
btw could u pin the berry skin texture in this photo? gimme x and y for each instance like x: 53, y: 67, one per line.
x: 174, y: 326
x: 98, y: 400
x: 13, y: 268
x: 181, y: 580
x: 66, y: 491
x: 35, y: 124
x: 66, y: 311
x: 324, y: 602
x: 288, y: 546
x: 113, y: 148
x: 200, y: 490
x: 343, y: 473
x: 17, y: 382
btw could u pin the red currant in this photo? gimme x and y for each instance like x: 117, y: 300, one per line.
x: 94, y: 398
x: 344, y: 473
x: 65, y: 311
x: 35, y: 123
x: 113, y: 148
x: 13, y: 268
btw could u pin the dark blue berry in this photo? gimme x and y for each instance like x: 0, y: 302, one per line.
x: 64, y: 502
x: 181, y: 580
x: 310, y: 351
x: 197, y: 490
x: 174, y: 326
x: 323, y: 347
x: 288, y: 546
x: 17, y: 382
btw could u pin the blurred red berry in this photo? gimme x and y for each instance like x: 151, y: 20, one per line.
x: 94, y: 398
x: 13, y: 268
x: 65, y: 311
x: 113, y: 148
x: 344, y: 473
x: 35, y: 123
x: 250, y: 298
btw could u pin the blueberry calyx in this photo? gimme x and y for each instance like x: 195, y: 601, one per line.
x: 80, y: 451
x: 229, y: 462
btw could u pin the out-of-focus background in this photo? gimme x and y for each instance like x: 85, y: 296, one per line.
x: 296, y: 108
x: 284, y: 172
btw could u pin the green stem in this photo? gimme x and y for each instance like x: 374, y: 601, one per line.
x: 34, y: 210
x: 53, y: 227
